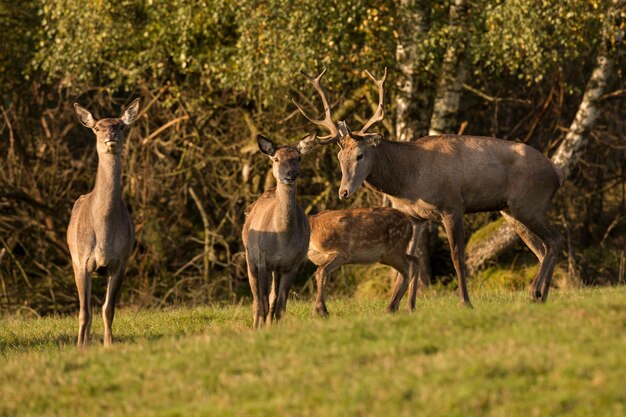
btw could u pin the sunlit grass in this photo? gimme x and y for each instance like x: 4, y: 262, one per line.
x: 506, y: 357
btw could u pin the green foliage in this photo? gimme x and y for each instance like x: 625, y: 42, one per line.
x: 18, y: 25
x: 122, y: 42
x: 531, y: 39
x: 505, y: 357
x: 243, y: 45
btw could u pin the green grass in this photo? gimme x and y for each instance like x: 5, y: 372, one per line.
x: 506, y: 357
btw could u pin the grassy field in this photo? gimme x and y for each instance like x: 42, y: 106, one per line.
x: 504, y: 358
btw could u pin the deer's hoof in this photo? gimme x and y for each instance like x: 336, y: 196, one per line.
x: 535, y: 296
x: 391, y: 309
x: 321, y: 312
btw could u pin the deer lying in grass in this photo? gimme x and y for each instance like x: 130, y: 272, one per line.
x: 443, y: 177
x: 363, y: 236
x: 276, y: 233
x: 100, y: 234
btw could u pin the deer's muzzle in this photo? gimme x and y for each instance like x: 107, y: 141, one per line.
x: 111, y: 145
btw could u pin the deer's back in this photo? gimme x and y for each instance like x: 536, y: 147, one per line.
x: 363, y: 235
x: 485, y: 173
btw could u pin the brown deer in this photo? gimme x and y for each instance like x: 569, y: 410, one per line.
x: 100, y: 235
x: 363, y: 236
x: 276, y: 233
x: 442, y: 177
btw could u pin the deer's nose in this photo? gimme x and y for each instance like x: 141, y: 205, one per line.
x: 343, y: 194
x: 292, y: 174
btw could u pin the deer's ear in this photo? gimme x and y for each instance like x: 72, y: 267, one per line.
x: 131, y: 112
x: 265, y: 145
x: 306, y: 144
x: 84, y: 116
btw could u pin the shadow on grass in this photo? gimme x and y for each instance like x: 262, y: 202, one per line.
x: 36, y: 343
x: 49, y: 342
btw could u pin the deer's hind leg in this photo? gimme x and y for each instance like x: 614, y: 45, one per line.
x: 453, y: 223
x: 535, y: 244
x: 108, y: 308
x: 83, y: 285
x: 415, y: 275
x: 406, y: 272
x: 552, y: 240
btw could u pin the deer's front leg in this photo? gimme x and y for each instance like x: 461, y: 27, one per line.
x: 253, y: 280
x: 321, y: 276
x: 263, y: 290
x: 83, y: 285
x: 283, y: 292
x: 273, y: 296
x: 108, y: 308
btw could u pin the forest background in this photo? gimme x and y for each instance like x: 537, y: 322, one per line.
x: 212, y: 74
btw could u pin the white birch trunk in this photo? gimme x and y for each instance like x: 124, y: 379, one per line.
x: 452, y: 77
x: 412, y: 102
x: 502, y: 238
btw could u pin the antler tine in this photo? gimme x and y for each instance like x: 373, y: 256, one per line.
x: 327, y: 121
x: 380, y: 111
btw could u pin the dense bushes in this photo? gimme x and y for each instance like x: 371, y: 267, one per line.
x: 211, y: 74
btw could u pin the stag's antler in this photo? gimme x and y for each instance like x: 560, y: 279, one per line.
x: 327, y: 121
x: 380, y: 112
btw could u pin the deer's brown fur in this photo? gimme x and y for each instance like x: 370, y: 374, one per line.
x: 100, y: 235
x: 363, y: 236
x: 443, y: 177
x: 276, y: 234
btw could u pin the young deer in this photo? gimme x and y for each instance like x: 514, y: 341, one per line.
x: 276, y: 233
x: 363, y: 236
x: 443, y: 177
x: 100, y: 235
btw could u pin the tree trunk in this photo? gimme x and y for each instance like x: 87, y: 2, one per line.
x: 452, y: 77
x: 412, y: 104
x: 568, y: 152
x: 412, y: 100
x: 494, y: 239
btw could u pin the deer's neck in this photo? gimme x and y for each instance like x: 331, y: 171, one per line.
x: 108, y: 189
x: 286, y: 208
x: 393, y: 163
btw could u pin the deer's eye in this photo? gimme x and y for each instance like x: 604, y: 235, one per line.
x: 359, y: 157
x: 96, y: 129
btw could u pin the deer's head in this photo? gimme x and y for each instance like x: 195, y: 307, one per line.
x: 110, y: 131
x: 285, y: 159
x: 355, y: 155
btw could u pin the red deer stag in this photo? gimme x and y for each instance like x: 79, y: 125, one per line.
x: 276, y: 233
x: 100, y: 235
x: 363, y: 236
x: 445, y: 176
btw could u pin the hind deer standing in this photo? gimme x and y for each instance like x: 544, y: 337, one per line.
x: 276, y: 233
x: 100, y: 234
x: 442, y: 177
x: 363, y: 236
